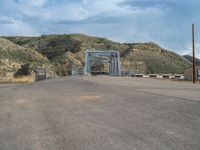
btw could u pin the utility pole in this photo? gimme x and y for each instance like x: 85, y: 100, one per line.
x: 193, y: 51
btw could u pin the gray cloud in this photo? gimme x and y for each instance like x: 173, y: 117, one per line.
x: 167, y: 22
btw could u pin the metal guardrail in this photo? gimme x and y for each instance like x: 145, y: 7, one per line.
x: 127, y: 73
x: 80, y: 72
x: 77, y: 72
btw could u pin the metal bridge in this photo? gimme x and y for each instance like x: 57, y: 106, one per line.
x: 103, y: 57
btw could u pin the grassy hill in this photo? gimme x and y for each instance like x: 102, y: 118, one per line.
x: 68, y: 51
x: 188, y: 57
x: 151, y: 58
x: 13, y: 57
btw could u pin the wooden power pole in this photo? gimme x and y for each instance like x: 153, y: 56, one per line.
x: 193, y: 52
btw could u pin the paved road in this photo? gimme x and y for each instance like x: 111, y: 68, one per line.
x: 100, y: 114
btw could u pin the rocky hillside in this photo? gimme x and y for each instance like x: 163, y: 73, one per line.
x: 68, y: 51
x: 151, y: 58
x: 14, y: 57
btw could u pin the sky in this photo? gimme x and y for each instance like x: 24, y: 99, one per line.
x: 165, y: 22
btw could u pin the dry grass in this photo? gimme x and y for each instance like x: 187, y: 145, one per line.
x: 23, y: 79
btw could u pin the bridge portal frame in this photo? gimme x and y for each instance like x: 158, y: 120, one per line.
x: 112, y: 56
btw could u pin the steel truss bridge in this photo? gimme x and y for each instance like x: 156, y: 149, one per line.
x: 103, y: 57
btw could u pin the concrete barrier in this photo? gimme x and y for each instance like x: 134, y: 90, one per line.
x: 178, y: 77
x: 166, y: 76
x: 153, y: 75
x: 139, y: 75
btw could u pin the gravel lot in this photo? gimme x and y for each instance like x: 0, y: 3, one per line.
x: 100, y: 113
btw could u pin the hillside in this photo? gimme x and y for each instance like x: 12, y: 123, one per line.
x: 188, y: 57
x: 68, y: 51
x: 13, y: 57
x: 151, y: 58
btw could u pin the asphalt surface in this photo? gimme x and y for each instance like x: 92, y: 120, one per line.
x: 100, y: 114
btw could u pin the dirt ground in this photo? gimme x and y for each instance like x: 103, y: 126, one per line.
x: 100, y: 113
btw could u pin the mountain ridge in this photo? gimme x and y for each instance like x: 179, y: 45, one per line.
x: 189, y: 58
x: 67, y: 51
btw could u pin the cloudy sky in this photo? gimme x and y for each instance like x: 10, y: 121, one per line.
x: 166, y: 22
